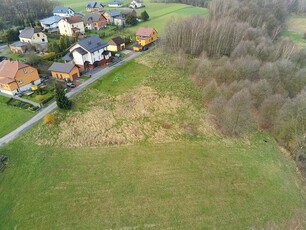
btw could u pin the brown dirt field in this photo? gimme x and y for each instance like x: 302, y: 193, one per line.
x: 141, y: 114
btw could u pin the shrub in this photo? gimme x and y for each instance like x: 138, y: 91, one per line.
x: 49, y: 119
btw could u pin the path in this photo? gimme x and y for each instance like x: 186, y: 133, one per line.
x: 21, y: 129
x: 21, y: 99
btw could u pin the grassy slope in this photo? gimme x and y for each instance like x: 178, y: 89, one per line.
x: 296, y: 30
x: 11, y: 118
x: 186, y: 185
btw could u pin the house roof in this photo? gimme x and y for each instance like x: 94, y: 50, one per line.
x: 28, y: 32
x: 8, y: 70
x: 113, y: 13
x: 80, y: 50
x: 127, y: 11
x: 61, y: 9
x: 61, y: 67
x: 92, y: 17
x: 115, y: 2
x: 117, y: 40
x: 18, y: 44
x: 92, y: 44
x: 68, y: 57
x: 93, y: 5
x: 144, y: 31
x: 50, y: 20
x: 73, y: 19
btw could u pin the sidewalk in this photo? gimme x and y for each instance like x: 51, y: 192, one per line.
x: 21, y: 99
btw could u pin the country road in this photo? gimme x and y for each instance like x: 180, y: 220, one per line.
x: 28, y: 124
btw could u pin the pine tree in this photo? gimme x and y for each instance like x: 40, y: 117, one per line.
x: 62, y: 101
x: 144, y: 16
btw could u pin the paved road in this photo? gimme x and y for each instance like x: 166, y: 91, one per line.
x: 21, y: 129
x: 20, y: 99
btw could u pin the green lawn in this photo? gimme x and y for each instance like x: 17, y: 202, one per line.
x: 11, y: 118
x: 296, y: 29
x: 160, y: 13
x: 182, y: 185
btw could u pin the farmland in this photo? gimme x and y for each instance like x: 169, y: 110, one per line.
x: 181, y: 175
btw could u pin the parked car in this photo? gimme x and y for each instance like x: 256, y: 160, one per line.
x: 70, y: 85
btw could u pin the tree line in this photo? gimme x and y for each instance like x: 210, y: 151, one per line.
x: 23, y: 13
x: 250, y: 76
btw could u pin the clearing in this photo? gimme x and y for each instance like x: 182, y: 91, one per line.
x: 296, y: 29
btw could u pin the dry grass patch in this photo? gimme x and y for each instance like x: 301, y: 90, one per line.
x: 141, y: 114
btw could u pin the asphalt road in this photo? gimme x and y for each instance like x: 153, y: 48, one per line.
x: 28, y: 124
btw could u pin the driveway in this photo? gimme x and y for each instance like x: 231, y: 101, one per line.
x: 96, y: 74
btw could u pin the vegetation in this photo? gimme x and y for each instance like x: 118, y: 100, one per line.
x: 62, y: 101
x: 144, y: 16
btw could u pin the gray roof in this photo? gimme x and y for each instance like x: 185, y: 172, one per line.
x: 115, y: 2
x: 28, y: 32
x: 61, y: 67
x: 18, y: 44
x: 68, y: 57
x: 50, y: 20
x: 61, y: 9
x: 114, y: 13
x: 92, y: 44
x: 93, y: 5
x: 80, y: 50
x: 92, y: 17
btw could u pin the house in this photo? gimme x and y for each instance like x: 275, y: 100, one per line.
x: 144, y: 37
x: 71, y: 25
x: 16, y: 77
x: 18, y: 47
x: 90, y: 53
x: 64, y: 71
x: 63, y: 11
x: 115, y: 3
x: 94, y: 7
x: 110, y: 15
x: 119, y: 21
x: 128, y: 12
x: 33, y: 36
x: 94, y: 21
x: 116, y: 44
x: 136, y: 4
x: 50, y: 24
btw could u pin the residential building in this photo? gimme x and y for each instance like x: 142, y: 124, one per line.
x: 116, y: 44
x: 90, y: 53
x: 63, y: 11
x: 128, y: 12
x: 115, y: 3
x: 136, y: 4
x: 16, y: 77
x: 119, y: 21
x: 51, y: 23
x: 144, y: 37
x: 94, y: 7
x: 71, y: 25
x: 110, y: 15
x: 18, y: 47
x: 64, y: 71
x: 95, y: 21
x: 33, y: 36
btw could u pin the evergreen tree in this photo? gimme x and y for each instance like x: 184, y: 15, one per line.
x: 62, y: 101
x: 144, y: 16
x: 131, y: 20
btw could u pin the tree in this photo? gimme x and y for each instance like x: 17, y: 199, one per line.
x: 131, y: 20
x: 33, y: 59
x: 62, y: 101
x: 144, y: 16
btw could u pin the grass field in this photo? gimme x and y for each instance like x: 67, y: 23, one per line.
x: 195, y: 182
x: 296, y: 30
x: 11, y: 118
x: 160, y: 13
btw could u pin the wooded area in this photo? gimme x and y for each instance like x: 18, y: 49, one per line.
x: 250, y: 75
x: 22, y: 13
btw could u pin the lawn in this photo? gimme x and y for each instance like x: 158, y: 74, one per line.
x: 160, y: 13
x: 182, y: 185
x: 296, y: 29
x: 11, y: 118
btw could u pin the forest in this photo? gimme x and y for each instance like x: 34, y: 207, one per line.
x: 22, y: 13
x: 251, y: 77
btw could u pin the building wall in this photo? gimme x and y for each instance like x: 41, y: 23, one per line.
x: 60, y: 75
x: 112, y: 48
x: 39, y: 38
x: 147, y: 40
x: 66, y: 29
x: 26, y: 76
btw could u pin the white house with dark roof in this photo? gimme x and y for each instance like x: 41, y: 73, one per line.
x: 33, y: 36
x: 115, y: 3
x: 90, y: 53
x: 63, y: 11
x: 136, y: 4
x: 51, y: 23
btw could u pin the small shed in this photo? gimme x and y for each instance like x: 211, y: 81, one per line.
x: 64, y: 70
x: 116, y: 44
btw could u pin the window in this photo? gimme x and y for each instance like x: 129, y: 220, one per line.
x: 25, y: 71
x: 43, y: 40
x: 20, y: 81
x: 38, y: 35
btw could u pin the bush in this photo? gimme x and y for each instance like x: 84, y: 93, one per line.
x: 49, y: 119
